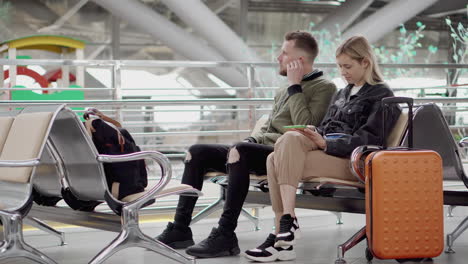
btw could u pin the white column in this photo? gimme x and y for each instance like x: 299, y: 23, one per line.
x: 142, y: 17
x: 4, y: 95
x: 80, y: 69
x: 65, y: 72
x: 388, y: 18
x: 2, y: 79
x: 12, y: 68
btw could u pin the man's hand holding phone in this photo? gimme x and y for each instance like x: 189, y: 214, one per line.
x: 295, y: 71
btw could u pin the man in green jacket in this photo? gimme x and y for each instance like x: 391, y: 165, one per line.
x: 303, y: 102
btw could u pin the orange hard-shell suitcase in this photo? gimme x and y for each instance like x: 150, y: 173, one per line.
x: 404, y: 199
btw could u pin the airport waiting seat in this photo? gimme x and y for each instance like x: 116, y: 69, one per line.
x: 82, y: 172
x: 431, y: 131
x: 44, y: 167
x: 21, y: 150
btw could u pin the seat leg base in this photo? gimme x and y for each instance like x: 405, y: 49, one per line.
x: 350, y: 243
x: 450, y: 238
x: 252, y: 217
x: 339, y: 218
x: 450, y: 210
x: 14, y: 246
x: 340, y: 261
x: 46, y: 228
x: 132, y: 236
x: 449, y: 250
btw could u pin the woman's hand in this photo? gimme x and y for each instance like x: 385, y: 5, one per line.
x: 96, y: 112
x: 313, y: 135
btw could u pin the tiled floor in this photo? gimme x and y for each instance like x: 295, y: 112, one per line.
x: 318, y: 246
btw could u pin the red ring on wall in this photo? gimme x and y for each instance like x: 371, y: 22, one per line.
x: 21, y: 70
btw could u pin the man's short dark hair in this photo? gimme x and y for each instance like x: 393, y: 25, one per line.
x: 304, y: 41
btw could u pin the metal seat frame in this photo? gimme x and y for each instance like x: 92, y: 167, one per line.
x: 81, y: 170
x: 19, y: 200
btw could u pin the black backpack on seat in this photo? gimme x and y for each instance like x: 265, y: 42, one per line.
x: 108, y: 139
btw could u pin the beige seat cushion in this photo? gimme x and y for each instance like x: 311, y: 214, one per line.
x: 259, y: 124
x: 213, y: 174
x: 324, y: 180
x: 398, y: 131
x: 5, y: 125
x: 24, y: 141
x: 175, y: 189
x: 258, y: 177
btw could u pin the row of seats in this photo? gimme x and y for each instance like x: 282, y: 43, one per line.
x: 431, y: 131
x: 47, y: 146
x: 62, y: 155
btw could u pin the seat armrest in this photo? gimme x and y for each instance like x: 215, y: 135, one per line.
x: 159, y: 158
x: 180, y: 189
x: 463, y: 142
x: 357, y: 159
x: 20, y: 163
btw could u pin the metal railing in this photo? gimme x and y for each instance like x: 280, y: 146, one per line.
x: 245, y: 111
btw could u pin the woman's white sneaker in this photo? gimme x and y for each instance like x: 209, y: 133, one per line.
x: 289, y: 231
x: 267, y: 252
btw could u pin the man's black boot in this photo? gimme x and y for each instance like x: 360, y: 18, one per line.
x: 218, y: 244
x: 176, y: 236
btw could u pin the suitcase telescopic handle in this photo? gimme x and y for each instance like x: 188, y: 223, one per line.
x: 386, y: 103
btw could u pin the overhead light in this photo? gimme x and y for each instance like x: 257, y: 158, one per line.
x: 311, y: 2
x: 447, y: 13
x: 329, y: 3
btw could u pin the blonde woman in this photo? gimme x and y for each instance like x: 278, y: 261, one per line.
x: 354, y: 118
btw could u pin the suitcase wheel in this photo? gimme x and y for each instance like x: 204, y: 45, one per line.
x: 369, y: 255
x: 420, y: 260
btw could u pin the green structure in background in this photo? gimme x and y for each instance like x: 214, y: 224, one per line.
x: 28, y: 95
x: 51, y: 43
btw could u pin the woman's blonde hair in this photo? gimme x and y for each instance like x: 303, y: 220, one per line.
x: 358, y: 48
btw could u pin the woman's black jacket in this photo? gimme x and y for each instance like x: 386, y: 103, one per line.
x: 360, y: 118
